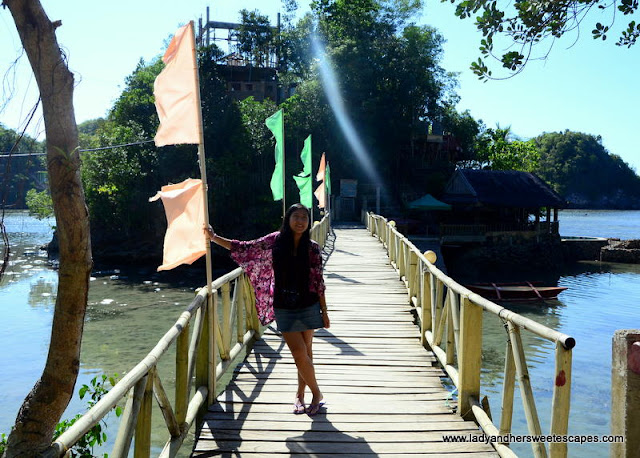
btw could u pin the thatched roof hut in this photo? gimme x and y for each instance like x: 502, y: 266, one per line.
x: 496, y: 201
x: 500, y: 188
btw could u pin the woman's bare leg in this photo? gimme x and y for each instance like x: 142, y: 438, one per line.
x: 308, y: 340
x: 297, y: 343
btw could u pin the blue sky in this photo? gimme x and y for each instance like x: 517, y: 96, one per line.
x: 585, y: 85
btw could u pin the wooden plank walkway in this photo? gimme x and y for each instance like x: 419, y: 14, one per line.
x: 384, y: 394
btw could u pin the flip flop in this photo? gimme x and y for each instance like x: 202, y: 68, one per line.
x: 298, y: 407
x: 313, y: 409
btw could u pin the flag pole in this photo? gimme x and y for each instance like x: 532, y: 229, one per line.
x: 284, y: 166
x: 203, y: 175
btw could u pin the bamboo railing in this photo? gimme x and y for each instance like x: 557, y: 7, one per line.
x: 207, y: 342
x: 451, y: 324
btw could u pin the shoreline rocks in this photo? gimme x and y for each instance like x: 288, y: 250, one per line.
x: 623, y: 251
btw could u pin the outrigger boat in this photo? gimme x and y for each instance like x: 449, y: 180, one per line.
x: 516, y: 291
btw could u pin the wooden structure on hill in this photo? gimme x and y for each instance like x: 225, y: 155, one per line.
x: 491, y: 202
x: 248, y: 74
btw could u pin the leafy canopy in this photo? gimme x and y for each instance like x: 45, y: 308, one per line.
x: 528, y: 24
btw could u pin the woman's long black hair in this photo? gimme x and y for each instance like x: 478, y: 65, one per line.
x: 283, y: 246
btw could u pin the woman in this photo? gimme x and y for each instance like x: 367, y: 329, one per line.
x: 285, y: 269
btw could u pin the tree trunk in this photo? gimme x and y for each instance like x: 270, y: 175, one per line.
x: 48, y: 399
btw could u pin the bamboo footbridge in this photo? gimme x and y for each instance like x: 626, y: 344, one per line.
x: 399, y: 328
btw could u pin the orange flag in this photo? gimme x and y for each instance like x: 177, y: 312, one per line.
x: 321, y: 195
x: 185, y: 240
x: 175, y: 91
x: 321, y: 169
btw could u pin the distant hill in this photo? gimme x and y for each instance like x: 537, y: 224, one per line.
x: 23, y: 170
x: 581, y: 170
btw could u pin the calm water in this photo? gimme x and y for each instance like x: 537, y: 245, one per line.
x: 599, y: 301
x: 127, y: 314
x: 129, y: 311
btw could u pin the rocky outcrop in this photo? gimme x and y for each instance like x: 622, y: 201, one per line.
x: 624, y: 251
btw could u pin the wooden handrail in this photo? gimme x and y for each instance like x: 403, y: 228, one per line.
x: 451, y: 324
x: 207, y: 351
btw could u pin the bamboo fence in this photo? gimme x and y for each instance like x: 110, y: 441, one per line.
x: 451, y: 325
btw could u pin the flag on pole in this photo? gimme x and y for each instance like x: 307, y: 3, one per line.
x: 275, y: 123
x: 303, y: 179
x: 320, y: 192
x: 321, y: 195
x: 185, y: 240
x: 175, y: 90
x: 321, y: 169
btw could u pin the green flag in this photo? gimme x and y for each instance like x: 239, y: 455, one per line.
x: 303, y: 179
x: 327, y: 178
x: 275, y: 123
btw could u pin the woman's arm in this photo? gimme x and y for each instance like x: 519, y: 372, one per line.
x: 215, y: 238
x: 323, y: 309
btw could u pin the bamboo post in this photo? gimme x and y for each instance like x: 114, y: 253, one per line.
x: 625, y: 392
x: 240, y: 316
x: 401, y: 258
x: 165, y: 406
x: 393, y: 247
x: 252, y: 304
x: 455, y: 320
x: 212, y: 316
x: 182, y: 379
x: 444, y: 314
x: 202, y: 359
x: 425, y: 303
x: 561, y: 400
x: 524, y: 382
x: 128, y: 420
x: 233, y: 314
x: 226, y: 317
x: 508, y: 387
x: 436, y: 309
x: 470, y: 357
x: 142, y: 444
x: 451, y: 347
x: 413, y: 268
x: 193, y: 346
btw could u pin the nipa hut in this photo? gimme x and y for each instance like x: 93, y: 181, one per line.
x: 490, y: 202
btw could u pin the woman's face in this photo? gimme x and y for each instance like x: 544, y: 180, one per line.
x: 299, y: 221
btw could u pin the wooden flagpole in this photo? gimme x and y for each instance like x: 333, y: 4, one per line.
x: 311, y: 184
x: 284, y: 163
x: 203, y: 175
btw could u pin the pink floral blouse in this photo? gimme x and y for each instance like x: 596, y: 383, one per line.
x: 256, y: 258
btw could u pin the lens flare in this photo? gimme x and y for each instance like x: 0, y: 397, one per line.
x: 330, y: 84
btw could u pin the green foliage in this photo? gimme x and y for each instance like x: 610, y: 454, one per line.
x: 577, y: 164
x: 40, y: 204
x: 497, y: 151
x: 528, y: 23
x: 255, y: 37
x: 465, y: 129
x: 21, y: 172
x: 97, y: 388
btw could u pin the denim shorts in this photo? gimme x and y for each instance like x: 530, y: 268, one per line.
x: 298, y: 320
